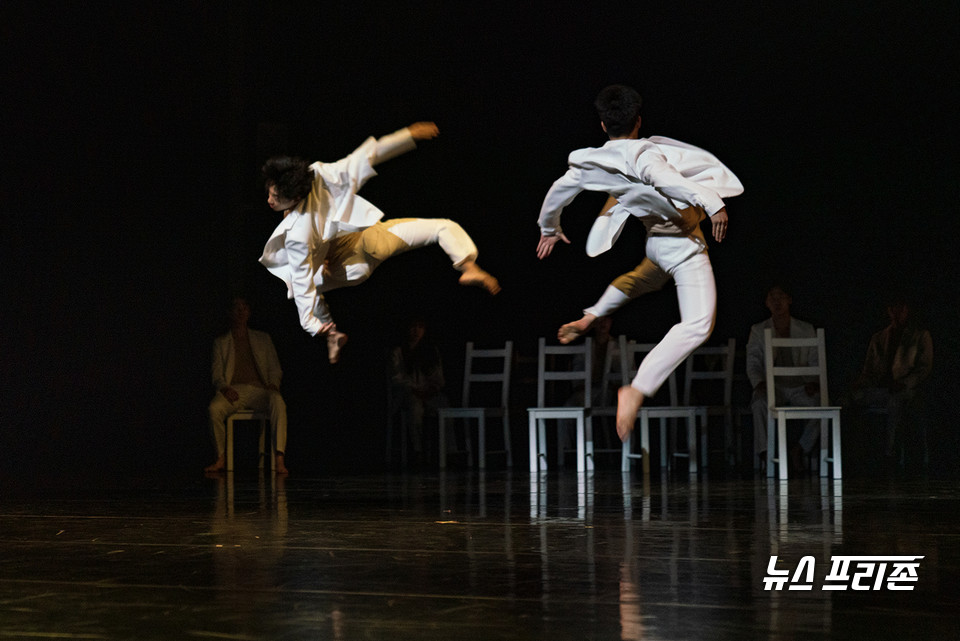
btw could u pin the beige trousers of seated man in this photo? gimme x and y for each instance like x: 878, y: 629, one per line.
x: 252, y: 397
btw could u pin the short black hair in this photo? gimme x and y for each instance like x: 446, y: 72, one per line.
x: 618, y: 107
x: 291, y: 177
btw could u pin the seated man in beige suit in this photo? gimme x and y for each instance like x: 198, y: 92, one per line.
x: 246, y: 374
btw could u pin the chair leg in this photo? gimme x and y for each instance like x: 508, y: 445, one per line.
x: 782, y: 446
x: 229, y: 452
x: 588, y: 444
x: 481, y: 442
x: 542, y: 444
x: 442, y: 440
x: 645, y: 446
x: 263, y: 449
x: 692, y: 442
x: 837, y: 457
x: 581, y: 452
x: 506, y: 437
x: 771, y: 441
x: 267, y: 428
x: 532, y: 438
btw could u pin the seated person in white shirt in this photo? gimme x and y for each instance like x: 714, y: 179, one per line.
x: 790, y: 391
x: 246, y: 374
x: 330, y: 237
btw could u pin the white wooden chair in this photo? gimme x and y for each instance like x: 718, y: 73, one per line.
x: 538, y: 416
x: 629, y: 351
x: 777, y: 417
x: 604, y: 403
x: 474, y: 372
x: 265, y: 428
x: 606, y: 406
x: 712, y: 363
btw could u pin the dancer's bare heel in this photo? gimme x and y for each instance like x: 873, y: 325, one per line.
x: 629, y: 400
x: 474, y: 276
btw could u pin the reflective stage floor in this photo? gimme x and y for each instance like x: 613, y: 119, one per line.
x: 494, y: 556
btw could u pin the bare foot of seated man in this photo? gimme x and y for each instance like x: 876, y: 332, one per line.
x: 629, y: 400
x: 218, y: 466
x: 279, y: 466
x: 572, y: 331
x: 474, y: 275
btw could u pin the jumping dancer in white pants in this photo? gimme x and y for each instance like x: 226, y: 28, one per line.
x: 330, y: 237
x: 671, y: 186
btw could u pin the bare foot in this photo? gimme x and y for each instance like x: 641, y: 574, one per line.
x: 473, y: 275
x: 279, y: 467
x: 335, y: 340
x: 572, y: 331
x: 629, y: 400
x: 218, y: 466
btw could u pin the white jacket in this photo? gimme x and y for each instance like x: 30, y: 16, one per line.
x: 298, y: 246
x: 652, y: 178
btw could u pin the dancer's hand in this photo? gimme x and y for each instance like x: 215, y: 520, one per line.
x: 423, y: 130
x: 326, y: 328
x: 545, y: 246
x: 720, y: 221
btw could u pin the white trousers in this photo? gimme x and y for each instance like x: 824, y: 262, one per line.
x: 254, y: 398
x: 686, y: 261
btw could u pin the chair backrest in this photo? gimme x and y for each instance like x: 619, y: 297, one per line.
x: 770, y: 343
x: 612, y: 375
x: 549, y: 370
x: 629, y: 351
x: 482, y: 366
x: 711, y: 363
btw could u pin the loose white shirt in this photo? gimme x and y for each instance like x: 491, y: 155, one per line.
x: 298, y: 246
x: 656, y: 179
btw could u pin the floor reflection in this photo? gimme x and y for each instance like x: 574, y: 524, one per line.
x: 491, y: 555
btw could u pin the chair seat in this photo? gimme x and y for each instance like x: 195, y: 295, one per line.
x: 470, y: 412
x: 808, y: 412
x: 248, y: 415
x: 538, y: 440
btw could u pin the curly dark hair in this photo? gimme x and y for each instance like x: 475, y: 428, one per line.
x: 292, y: 177
x: 618, y: 107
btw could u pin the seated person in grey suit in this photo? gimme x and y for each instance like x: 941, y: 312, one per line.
x: 798, y: 391
x: 246, y: 375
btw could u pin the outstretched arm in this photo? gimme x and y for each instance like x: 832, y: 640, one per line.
x: 402, y: 141
x: 561, y: 194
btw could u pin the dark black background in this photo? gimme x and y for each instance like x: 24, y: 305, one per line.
x: 132, y: 134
